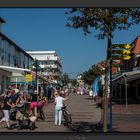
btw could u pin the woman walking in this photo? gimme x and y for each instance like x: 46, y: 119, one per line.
x: 21, y: 102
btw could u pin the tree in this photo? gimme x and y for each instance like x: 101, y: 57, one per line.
x: 106, y: 21
x: 89, y: 75
x: 73, y: 82
x: 103, y: 19
x: 65, y: 79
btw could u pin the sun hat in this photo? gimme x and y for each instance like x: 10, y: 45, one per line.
x: 16, y: 90
x: 35, y: 92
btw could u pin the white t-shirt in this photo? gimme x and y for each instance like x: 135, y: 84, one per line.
x: 59, y: 101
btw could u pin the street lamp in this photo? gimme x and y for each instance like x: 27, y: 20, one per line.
x: 36, y: 65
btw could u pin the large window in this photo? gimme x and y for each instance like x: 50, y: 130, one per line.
x: 9, y: 57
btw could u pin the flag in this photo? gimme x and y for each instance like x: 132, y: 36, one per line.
x: 95, y: 86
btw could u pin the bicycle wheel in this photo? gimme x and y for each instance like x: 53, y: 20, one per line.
x: 67, y: 117
x: 42, y: 116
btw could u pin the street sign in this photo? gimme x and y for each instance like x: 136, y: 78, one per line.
x: 28, y: 77
x: 126, y: 57
x: 121, y: 57
x: 124, y: 52
x: 121, y: 52
x: 122, y: 46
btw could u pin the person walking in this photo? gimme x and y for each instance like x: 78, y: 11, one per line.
x: 7, y: 104
x: 34, y: 100
x: 14, y: 95
x: 59, y: 102
x: 21, y: 102
x: 91, y: 92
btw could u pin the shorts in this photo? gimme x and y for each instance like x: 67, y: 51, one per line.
x: 6, y: 115
x: 33, y: 104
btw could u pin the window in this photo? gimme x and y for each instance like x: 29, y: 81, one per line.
x: 23, y: 64
x: 9, y: 58
x: 15, y: 60
x: 2, y: 60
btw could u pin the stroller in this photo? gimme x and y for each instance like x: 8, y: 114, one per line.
x: 25, y: 121
x: 13, y: 112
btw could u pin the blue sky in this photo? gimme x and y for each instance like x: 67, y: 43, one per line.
x: 44, y: 29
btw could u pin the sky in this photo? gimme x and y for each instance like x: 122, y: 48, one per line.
x: 43, y: 29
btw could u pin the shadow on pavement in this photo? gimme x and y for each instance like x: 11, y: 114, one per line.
x: 85, y: 127
x: 89, y: 98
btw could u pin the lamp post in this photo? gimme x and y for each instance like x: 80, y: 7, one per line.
x: 36, y: 65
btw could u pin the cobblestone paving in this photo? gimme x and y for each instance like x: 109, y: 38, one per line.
x: 83, y: 111
x: 126, y: 119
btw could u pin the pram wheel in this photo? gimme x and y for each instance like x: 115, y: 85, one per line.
x: 24, y: 124
x: 32, y: 127
x: 19, y: 128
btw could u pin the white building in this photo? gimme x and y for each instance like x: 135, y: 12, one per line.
x: 49, y: 63
x: 14, y: 61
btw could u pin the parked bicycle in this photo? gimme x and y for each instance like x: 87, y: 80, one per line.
x: 66, y: 116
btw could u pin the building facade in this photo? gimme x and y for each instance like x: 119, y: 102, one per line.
x: 50, y: 65
x: 14, y: 61
x: 134, y: 63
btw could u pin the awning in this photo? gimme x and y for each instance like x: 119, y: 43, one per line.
x: 127, y: 77
x: 133, y: 75
x: 13, y: 69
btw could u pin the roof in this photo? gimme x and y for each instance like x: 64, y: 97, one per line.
x: 41, y: 52
x: 17, y: 47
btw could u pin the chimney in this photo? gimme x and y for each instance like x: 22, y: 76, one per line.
x: 1, y: 22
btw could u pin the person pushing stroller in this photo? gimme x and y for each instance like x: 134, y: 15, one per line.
x: 7, y: 104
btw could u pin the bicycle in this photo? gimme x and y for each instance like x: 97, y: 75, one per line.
x: 66, y: 116
x: 40, y: 111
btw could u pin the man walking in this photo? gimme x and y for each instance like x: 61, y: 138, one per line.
x: 59, y: 102
x: 7, y: 104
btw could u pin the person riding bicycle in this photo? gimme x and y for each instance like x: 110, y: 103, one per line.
x: 59, y: 102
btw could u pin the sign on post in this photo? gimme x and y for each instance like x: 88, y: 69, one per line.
x: 121, y: 52
x: 28, y: 78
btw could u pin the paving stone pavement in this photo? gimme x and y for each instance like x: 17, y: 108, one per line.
x: 126, y: 119
x: 83, y: 111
